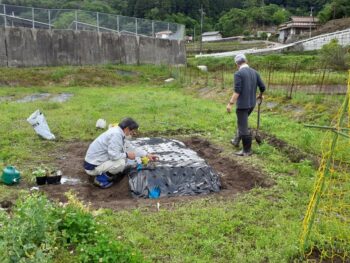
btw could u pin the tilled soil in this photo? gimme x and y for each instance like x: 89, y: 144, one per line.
x: 235, y: 178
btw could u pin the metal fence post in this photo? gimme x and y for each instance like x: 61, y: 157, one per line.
x: 136, y: 26
x: 168, y: 27
x: 322, y: 80
x: 76, y: 20
x: 49, y: 16
x: 152, y: 28
x: 33, y: 23
x: 5, y: 20
x: 293, y: 80
x: 118, y: 24
x: 98, y: 22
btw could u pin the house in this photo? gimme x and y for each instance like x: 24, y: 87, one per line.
x: 164, y: 34
x: 267, y: 32
x: 211, y: 36
x: 295, y: 27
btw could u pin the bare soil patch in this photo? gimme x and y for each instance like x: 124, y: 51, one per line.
x: 294, y: 154
x: 235, y: 178
x: 316, y: 256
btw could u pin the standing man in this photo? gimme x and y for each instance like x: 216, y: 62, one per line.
x: 108, y: 153
x: 246, y: 81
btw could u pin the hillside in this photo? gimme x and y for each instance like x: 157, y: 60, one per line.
x: 333, y: 25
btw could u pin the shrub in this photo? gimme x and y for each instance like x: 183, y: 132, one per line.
x: 31, y: 233
x: 38, y: 228
x: 334, y: 55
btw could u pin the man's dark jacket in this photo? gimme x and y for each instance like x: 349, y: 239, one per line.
x: 246, y: 82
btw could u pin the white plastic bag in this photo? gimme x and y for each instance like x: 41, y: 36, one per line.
x: 38, y: 121
x: 101, y: 123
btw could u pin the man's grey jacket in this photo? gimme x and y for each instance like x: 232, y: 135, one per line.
x: 246, y: 82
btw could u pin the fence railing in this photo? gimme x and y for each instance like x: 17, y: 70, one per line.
x: 40, y: 18
x: 288, y: 81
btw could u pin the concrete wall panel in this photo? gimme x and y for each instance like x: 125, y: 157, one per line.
x: 130, y: 49
x: 63, y: 48
x: 87, y: 47
x: 110, y: 48
x: 178, y: 52
x: 164, y: 49
x: 3, y: 55
x: 21, y: 47
x: 147, y: 50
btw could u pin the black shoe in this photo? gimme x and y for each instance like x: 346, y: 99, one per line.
x: 247, y: 146
x: 236, y: 140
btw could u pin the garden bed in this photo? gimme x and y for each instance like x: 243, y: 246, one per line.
x: 235, y: 178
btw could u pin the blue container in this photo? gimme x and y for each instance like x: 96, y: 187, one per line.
x: 154, y: 193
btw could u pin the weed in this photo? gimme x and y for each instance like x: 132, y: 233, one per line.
x: 38, y: 228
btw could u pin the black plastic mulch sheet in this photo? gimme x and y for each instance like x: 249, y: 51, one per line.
x: 180, y: 171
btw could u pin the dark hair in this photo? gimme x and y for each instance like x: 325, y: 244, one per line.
x: 128, y: 123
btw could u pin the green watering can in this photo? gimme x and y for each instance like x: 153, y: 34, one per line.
x: 10, y: 175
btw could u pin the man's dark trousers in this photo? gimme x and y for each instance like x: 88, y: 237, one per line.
x: 243, y: 130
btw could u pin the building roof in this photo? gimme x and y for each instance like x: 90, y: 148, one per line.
x: 300, y: 22
x: 304, y: 19
x: 213, y: 33
x: 166, y: 32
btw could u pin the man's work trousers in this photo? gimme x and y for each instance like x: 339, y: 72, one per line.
x: 242, y: 121
x: 113, y: 167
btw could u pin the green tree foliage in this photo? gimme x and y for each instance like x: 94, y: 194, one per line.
x: 236, y: 21
x: 335, y: 56
x: 233, y: 22
x: 335, y: 9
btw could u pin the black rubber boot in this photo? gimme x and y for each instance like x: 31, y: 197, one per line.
x: 236, y: 140
x: 247, y: 146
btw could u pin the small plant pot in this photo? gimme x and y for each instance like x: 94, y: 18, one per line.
x: 41, y: 180
x: 54, y: 179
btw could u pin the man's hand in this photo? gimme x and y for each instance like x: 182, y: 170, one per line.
x: 131, y: 155
x: 152, y: 157
x: 229, y: 107
x: 260, y: 96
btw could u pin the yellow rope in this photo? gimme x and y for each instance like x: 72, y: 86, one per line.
x: 325, y: 231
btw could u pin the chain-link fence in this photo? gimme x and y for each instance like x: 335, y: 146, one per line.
x: 19, y: 16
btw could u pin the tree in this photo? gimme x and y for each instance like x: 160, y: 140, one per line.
x: 233, y: 22
x: 334, y: 55
x: 335, y: 9
x: 280, y: 16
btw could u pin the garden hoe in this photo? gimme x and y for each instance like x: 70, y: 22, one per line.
x: 257, y: 136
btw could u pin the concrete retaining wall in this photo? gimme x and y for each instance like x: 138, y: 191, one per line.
x: 23, y: 47
x: 317, y: 42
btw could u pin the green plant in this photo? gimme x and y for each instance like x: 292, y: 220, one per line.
x: 39, y: 172
x: 103, y: 249
x: 31, y: 233
x: 77, y: 225
x: 335, y: 56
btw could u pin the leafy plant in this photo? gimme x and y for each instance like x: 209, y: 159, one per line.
x: 39, y: 172
x: 38, y: 228
x: 31, y: 233
x: 334, y: 55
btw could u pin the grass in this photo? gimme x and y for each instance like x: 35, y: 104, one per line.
x: 260, y: 226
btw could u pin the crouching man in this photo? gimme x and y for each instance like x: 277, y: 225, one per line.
x: 108, y: 153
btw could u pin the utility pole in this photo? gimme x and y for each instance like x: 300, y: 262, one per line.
x: 202, y: 15
x: 311, y: 22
